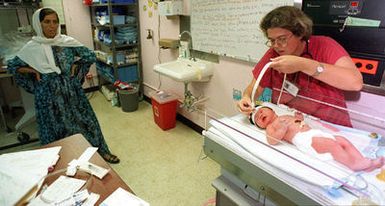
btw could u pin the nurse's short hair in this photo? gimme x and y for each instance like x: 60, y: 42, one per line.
x: 290, y: 18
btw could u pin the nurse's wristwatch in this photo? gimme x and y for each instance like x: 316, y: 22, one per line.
x: 318, y: 70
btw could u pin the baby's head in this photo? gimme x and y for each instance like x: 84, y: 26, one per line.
x: 262, y: 116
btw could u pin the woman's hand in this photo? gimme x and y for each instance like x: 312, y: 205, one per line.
x: 29, y: 70
x: 73, y: 69
x: 245, y: 106
x: 287, y: 63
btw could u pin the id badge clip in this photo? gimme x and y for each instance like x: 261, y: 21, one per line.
x: 290, y: 87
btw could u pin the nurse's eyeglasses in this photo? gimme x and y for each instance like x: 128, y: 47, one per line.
x: 281, y: 41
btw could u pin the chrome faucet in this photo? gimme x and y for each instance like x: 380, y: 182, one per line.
x: 181, y: 51
x: 184, y: 32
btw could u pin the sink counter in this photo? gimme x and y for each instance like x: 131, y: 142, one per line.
x: 185, y: 70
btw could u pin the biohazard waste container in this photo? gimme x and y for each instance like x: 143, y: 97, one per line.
x: 164, y: 107
x: 129, y: 99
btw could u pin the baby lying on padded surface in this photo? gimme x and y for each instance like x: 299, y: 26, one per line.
x: 322, y: 145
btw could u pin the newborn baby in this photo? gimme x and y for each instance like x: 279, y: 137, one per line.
x: 322, y: 145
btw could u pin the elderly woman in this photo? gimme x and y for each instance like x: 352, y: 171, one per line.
x: 52, y: 67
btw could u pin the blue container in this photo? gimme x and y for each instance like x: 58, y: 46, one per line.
x: 119, y: 19
x: 128, y: 74
x: 125, y: 74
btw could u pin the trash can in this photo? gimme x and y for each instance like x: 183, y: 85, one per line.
x: 164, y: 107
x: 129, y: 99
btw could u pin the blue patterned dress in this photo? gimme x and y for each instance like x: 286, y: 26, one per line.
x: 62, y: 109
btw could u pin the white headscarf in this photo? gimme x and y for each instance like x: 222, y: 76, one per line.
x: 38, y: 54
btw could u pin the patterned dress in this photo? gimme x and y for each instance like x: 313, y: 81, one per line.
x: 62, y: 109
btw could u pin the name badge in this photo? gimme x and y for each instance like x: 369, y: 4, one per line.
x: 291, y: 88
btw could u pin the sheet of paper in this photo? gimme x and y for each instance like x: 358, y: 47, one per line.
x: 123, y: 197
x: 59, y: 190
x: 355, y: 21
x: 87, y: 154
x: 33, y: 160
x: 21, y: 171
x: 91, y: 200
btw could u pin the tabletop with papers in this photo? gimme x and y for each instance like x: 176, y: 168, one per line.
x: 29, y: 167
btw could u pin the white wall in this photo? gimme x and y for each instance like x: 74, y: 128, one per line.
x: 228, y: 74
x: 78, y: 25
x: 78, y: 21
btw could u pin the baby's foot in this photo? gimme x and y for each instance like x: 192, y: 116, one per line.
x: 375, y: 163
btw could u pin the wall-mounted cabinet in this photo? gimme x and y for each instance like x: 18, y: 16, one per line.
x: 115, y: 25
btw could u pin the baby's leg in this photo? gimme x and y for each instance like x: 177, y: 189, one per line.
x: 375, y: 163
x: 344, y: 152
x: 360, y: 162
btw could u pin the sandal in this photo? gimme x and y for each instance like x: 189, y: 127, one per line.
x: 113, y: 159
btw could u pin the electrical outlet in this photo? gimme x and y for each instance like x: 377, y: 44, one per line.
x: 237, y: 94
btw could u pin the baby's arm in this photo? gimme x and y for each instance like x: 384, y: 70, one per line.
x: 276, y: 131
x: 299, y: 115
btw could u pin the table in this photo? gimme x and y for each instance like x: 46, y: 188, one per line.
x: 72, y: 147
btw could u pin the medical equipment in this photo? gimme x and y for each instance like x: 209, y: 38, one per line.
x: 358, y: 25
x: 281, y: 173
x: 27, y: 102
x: 12, y: 42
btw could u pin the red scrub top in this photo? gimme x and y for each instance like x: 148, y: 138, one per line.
x: 322, y: 49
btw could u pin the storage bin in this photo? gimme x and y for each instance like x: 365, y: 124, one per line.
x: 164, y: 107
x: 129, y: 99
x: 125, y: 74
x: 119, y: 19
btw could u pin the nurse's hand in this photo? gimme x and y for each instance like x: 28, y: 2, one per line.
x: 287, y: 63
x: 245, y: 106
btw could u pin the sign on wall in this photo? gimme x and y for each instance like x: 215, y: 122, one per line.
x: 231, y: 27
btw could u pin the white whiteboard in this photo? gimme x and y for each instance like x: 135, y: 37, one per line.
x: 231, y: 27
